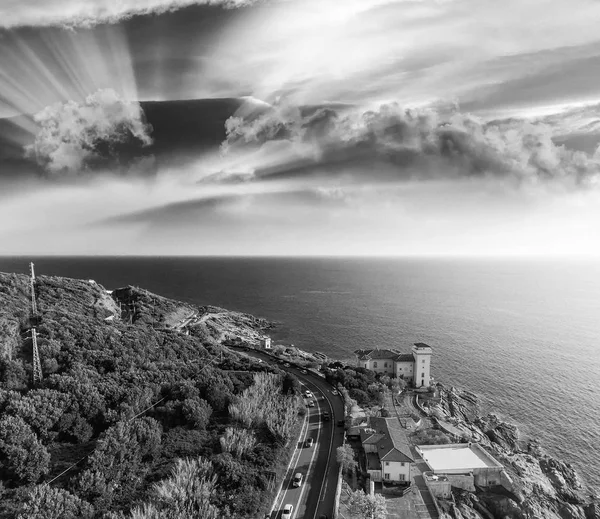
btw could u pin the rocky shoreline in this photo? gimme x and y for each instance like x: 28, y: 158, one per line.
x: 542, y: 486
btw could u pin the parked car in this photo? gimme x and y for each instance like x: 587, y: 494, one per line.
x: 309, y: 442
x: 287, y: 365
x: 297, y: 479
x: 287, y: 512
x: 323, y: 516
x: 325, y: 417
x: 304, y: 371
x: 334, y: 391
x: 311, y: 403
x: 341, y: 423
x: 308, y: 394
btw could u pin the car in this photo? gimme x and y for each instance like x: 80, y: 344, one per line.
x: 287, y: 364
x: 311, y: 403
x: 325, y: 417
x: 334, y: 391
x: 304, y: 371
x: 308, y: 394
x: 323, y: 516
x: 341, y: 423
x: 309, y: 442
x: 259, y: 360
x: 297, y: 479
x: 287, y: 512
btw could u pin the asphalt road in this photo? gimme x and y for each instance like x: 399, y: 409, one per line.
x: 318, y: 463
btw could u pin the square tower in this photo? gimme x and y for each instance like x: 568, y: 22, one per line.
x: 422, y: 369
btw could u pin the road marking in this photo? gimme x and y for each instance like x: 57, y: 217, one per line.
x: 329, y: 453
x: 296, y: 455
x: 312, y: 458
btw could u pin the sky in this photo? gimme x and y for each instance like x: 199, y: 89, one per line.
x: 300, y: 127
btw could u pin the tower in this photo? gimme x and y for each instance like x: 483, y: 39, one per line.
x: 37, y: 366
x: 422, y: 368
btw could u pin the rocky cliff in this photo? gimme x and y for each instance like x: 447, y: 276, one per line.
x: 538, y: 486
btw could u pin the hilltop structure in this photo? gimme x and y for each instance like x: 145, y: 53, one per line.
x: 413, y: 367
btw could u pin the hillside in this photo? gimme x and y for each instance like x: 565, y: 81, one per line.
x: 136, y: 400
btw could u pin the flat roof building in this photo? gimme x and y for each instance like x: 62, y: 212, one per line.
x: 462, y: 459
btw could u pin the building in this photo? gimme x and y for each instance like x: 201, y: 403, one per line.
x: 265, y: 343
x: 463, y: 465
x: 387, y: 450
x: 413, y: 367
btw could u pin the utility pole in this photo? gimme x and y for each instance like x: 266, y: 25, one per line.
x: 37, y: 366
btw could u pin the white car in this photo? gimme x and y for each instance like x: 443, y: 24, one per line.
x: 311, y: 403
x: 308, y: 394
x: 334, y: 391
x: 287, y: 512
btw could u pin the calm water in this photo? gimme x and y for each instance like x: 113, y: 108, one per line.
x: 524, y: 335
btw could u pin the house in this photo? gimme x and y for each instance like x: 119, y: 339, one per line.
x: 413, y: 367
x: 387, y: 450
x: 265, y: 343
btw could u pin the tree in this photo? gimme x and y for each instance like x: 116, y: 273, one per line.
x: 45, y: 502
x: 345, y: 457
x: 22, y: 456
x: 197, y: 411
x: 290, y: 384
x: 367, y: 506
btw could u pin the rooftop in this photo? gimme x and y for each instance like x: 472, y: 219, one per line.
x: 463, y: 457
x: 390, y: 438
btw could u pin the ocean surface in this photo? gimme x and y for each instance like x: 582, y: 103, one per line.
x: 522, y: 334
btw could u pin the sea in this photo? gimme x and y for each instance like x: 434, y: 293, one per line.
x: 523, y: 334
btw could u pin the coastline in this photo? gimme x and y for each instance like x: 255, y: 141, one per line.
x: 538, y: 484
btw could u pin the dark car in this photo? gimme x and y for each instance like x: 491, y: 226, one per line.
x: 325, y: 417
x: 341, y: 423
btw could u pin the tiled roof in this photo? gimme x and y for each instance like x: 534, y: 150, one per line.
x: 371, y: 438
x: 384, y: 354
x: 393, y: 438
x: 396, y: 455
x: 376, y: 354
x: 404, y: 357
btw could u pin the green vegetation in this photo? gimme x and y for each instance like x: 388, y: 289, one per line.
x: 367, y: 506
x: 134, y: 418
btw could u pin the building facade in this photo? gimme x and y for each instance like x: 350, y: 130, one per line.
x: 387, y: 451
x: 413, y: 367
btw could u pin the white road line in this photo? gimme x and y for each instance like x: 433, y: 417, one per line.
x: 296, y: 455
x: 312, y: 458
x: 329, y: 454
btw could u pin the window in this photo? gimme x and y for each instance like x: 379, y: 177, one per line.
x: 385, y: 364
x: 387, y: 463
x: 387, y: 476
x: 402, y: 464
x: 401, y: 477
x: 423, y: 361
x: 374, y: 364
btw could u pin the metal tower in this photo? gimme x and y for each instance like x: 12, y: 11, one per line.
x: 37, y: 366
x: 32, y: 287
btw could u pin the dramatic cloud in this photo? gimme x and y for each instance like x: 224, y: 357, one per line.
x: 78, y: 13
x: 410, y: 142
x: 72, y: 136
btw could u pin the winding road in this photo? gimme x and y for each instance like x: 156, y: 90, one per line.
x: 316, y: 495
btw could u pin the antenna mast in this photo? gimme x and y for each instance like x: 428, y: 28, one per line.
x: 37, y: 366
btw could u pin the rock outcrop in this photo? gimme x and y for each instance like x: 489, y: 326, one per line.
x: 537, y: 485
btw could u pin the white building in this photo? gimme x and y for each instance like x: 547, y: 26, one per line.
x: 387, y: 450
x: 414, y: 367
